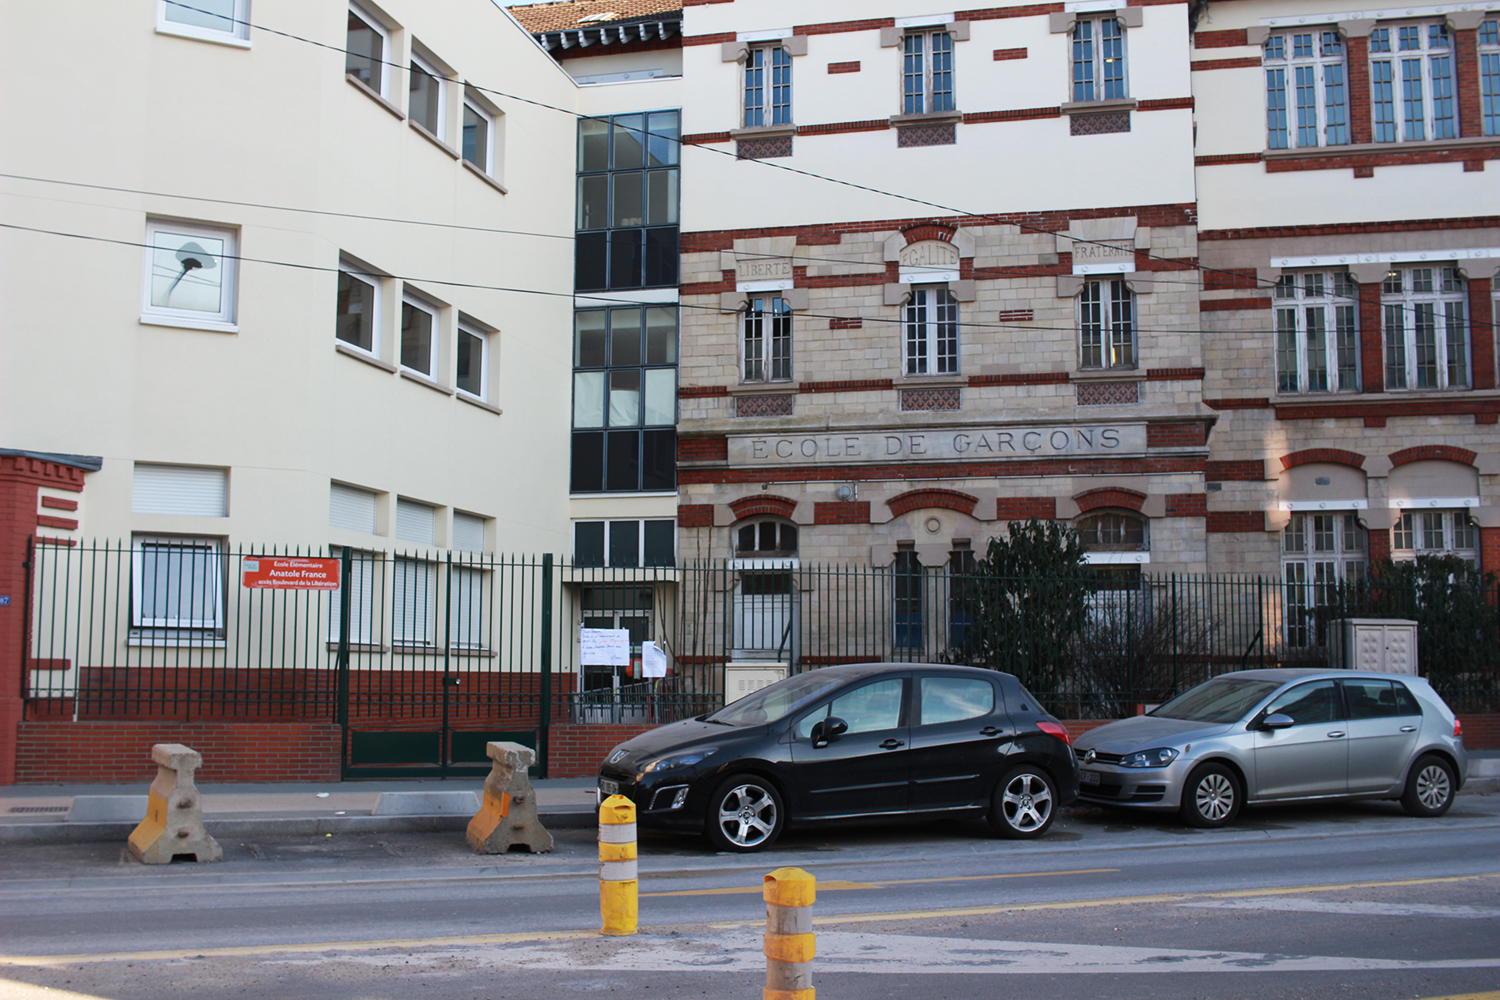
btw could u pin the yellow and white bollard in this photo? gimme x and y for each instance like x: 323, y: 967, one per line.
x: 617, y: 875
x: 789, y: 943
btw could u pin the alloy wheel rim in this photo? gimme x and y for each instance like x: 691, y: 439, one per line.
x: 747, y: 815
x: 1432, y: 786
x: 1027, y: 802
x: 1214, y: 797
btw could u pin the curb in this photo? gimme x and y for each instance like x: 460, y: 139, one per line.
x: 85, y: 833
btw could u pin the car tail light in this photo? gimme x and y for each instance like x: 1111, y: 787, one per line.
x: 1458, y: 730
x: 1055, y: 729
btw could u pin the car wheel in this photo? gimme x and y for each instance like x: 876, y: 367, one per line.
x: 1429, y: 787
x: 1024, y: 803
x: 745, y: 814
x: 1211, y: 797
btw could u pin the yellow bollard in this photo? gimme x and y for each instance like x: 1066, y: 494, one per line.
x: 789, y: 942
x: 617, y: 875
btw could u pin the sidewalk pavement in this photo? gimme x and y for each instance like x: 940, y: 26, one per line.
x: 74, y: 813
x: 77, y: 813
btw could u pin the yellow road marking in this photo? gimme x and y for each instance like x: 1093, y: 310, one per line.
x: 470, y: 940
x: 1491, y: 995
x: 835, y: 884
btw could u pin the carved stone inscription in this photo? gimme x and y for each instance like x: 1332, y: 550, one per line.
x: 1106, y: 252
x: 939, y: 444
x: 929, y: 253
x: 763, y: 269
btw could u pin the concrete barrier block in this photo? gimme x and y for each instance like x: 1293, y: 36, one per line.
x: 107, y: 808
x: 507, y: 817
x: 173, y: 827
x: 451, y: 803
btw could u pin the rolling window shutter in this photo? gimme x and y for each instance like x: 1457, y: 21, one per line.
x: 468, y: 533
x: 414, y: 600
x: 416, y: 522
x: 365, y: 569
x: 180, y: 489
x: 351, y: 508
x: 466, y: 626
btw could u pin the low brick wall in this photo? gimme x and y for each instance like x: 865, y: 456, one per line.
x: 575, y: 749
x: 50, y: 752
x: 1481, y: 732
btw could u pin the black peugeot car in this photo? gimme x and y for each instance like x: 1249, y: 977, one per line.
x: 858, y: 741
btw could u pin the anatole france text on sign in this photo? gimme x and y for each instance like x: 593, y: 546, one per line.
x: 939, y: 444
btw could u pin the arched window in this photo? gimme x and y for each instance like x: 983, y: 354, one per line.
x: 765, y: 538
x: 1111, y: 531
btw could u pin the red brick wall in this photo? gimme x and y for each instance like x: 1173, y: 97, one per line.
x: 1234, y: 472
x: 1371, y: 339
x: 833, y: 512
x: 575, y: 750
x: 1489, y: 550
x: 1429, y: 452
x: 695, y: 515
x: 1466, y: 66
x: 1110, y: 497
x: 1481, y: 732
x: 1025, y: 508
x: 109, y: 752
x: 1482, y: 325
x: 763, y: 504
x: 1187, y: 505
x: 1228, y: 521
x: 918, y: 499
x: 714, y: 449
x: 1308, y: 456
x: 1175, y: 435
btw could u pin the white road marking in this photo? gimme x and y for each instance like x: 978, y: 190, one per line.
x: 1359, y: 909
x: 851, y: 951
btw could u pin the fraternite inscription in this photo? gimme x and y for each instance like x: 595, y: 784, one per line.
x: 939, y: 444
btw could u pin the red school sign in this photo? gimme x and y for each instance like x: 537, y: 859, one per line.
x: 289, y: 573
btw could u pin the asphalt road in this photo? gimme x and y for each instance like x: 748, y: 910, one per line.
x: 1352, y: 901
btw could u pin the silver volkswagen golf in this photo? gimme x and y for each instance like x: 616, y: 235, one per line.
x: 1259, y: 736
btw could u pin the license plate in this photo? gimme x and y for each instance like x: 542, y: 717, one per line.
x: 1088, y: 777
x: 607, y: 787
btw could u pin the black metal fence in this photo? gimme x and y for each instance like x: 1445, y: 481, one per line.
x: 452, y: 649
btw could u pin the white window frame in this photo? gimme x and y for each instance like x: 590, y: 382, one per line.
x: 421, y: 629
x: 435, y: 316
x: 209, y: 547
x: 469, y: 607
x: 237, y: 34
x: 774, y: 61
x: 1096, y: 60
x: 426, y: 66
x: 1403, y: 313
x: 1110, y: 347
x: 1489, y: 76
x: 1319, y: 553
x: 1307, y: 92
x: 466, y: 329
x: 1317, y: 332
x: 488, y: 117
x: 924, y: 38
x: 1405, y: 67
x: 1411, y: 535
x: 924, y: 323
x: 377, y: 284
x: 762, y: 332
x: 378, y: 26
x: 226, y: 262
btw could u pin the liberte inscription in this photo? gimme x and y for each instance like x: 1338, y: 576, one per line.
x: 939, y: 444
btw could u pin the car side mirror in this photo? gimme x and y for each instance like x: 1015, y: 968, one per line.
x: 1277, y: 721
x: 826, y: 731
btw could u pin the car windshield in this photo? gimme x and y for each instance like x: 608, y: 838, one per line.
x: 775, y: 701
x: 1223, y: 699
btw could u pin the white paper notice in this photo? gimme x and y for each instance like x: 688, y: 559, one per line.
x: 653, y: 660
x: 604, y: 647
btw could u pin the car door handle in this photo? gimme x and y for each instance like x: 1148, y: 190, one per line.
x: 989, y: 731
x: 892, y: 744
x: 1408, y: 729
x: 1335, y: 735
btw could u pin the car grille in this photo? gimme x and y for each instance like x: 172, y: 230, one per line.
x: 1100, y: 757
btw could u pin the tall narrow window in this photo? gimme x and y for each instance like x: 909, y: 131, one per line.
x: 1098, y: 60
x: 357, y: 317
x: 427, y: 105
x: 927, y: 73
x: 1318, y: 553
x: 419, y: 337
x: 1307, y: 97
x: 1317, y: 342
x: 1489, y: 76
x: 1412, y: 94
x: 1106, y: 323
x: 932, y: 332
x: 414, y: 599
x: 479, y: 136
x: 627, y: 202
x: 906, y: 594
x: 367, y: 49
x: 1426, y: 328
x: 768, y: 87
x: 472, y: 377
x: 768, y: 340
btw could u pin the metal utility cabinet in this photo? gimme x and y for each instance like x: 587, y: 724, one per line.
x: 1385, y: 644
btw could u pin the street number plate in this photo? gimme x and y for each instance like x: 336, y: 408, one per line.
x: 607, y: 787
x: 1088, y: 777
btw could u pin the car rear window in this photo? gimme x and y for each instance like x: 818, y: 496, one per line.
x: 952, y: 699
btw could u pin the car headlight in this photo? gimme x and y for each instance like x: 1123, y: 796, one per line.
x: 1159, y: 757
x: 675, y: 760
